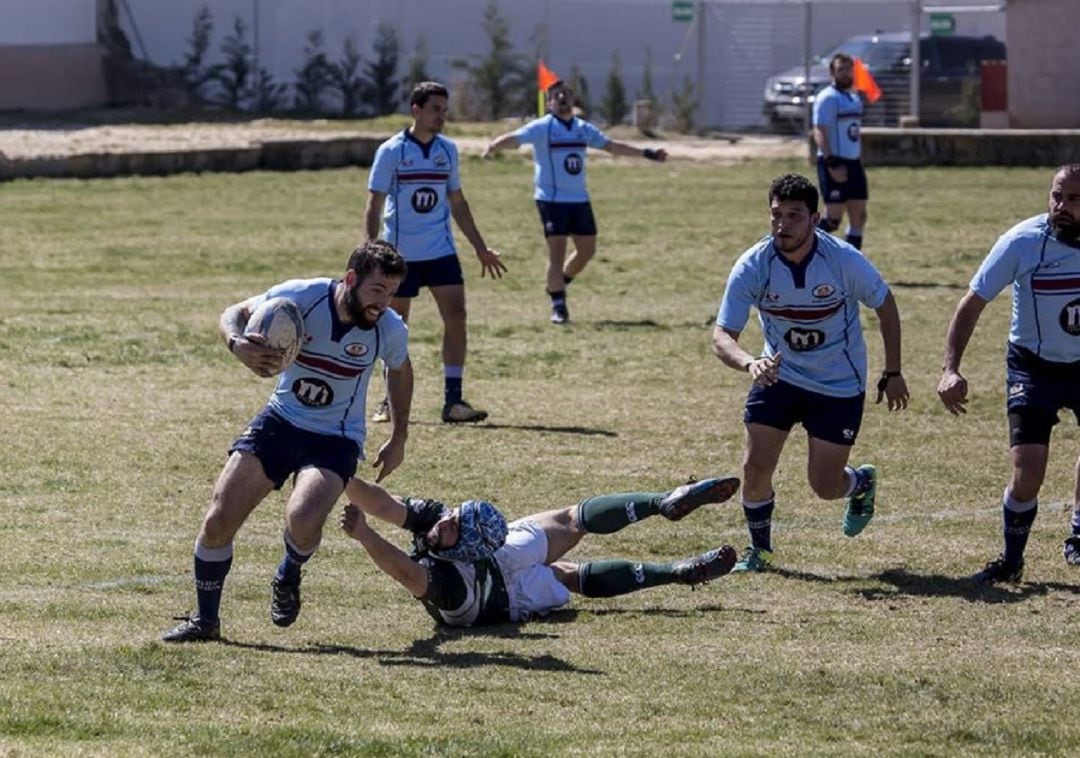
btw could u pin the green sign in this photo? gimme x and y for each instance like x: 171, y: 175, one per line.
x: 942, y: 24
x: 682, y: 10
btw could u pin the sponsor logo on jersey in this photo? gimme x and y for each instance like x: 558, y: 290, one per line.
x: 1070, y: 318
x: 312, y: 392
x: 853, y: 131
x: 356, y: 349
x: 424, y: 200
x: 407, y: 162
x: 772, y: 297
x: 823, y: 290
x: 801, y: 340
x: 639, y: 573
x: 573, y: 164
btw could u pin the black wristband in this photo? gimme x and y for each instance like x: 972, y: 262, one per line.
x: 833, y: 162
x: 652, y: 155
x: 883, y: 382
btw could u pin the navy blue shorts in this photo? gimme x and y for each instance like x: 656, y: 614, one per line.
x: 440, y: 272
x: 1035, y: 390
x: 565, y: 219
x: 782, y: 405
x: 854, y: 188
x: 284, y: 449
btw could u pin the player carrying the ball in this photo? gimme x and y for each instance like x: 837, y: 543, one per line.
x: 312, y: 428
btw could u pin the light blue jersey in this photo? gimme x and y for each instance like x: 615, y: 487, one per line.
x: 416, y: 179
x: 840, y: 113
x: 808, y: 312
x: 560, y: 149
x: 325, y: 389
x: 1045, y: 275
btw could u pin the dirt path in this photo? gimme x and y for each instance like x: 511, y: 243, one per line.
x: 20, y: 143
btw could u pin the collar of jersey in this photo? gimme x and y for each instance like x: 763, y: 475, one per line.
x: 425, y: 147
x: 798, y: 270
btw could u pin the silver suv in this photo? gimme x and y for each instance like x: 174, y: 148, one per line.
x: 948, y: 85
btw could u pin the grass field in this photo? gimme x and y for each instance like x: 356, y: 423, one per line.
x: 120, y: 401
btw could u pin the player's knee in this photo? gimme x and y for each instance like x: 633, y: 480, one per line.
x: 829, y: 225
x: 567, y: 575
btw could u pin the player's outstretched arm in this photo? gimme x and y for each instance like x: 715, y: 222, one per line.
x: 490, y: 260
x: 375, y: 501
x: 629, y: 151
x: 892, y: 385
x: 501, y: 142
x: 390, y: 559
x: 399, y: 392
x: 952, y: 387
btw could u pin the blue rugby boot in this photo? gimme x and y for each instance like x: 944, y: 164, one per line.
x: 859, y: 508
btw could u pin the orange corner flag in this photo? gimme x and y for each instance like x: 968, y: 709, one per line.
x: 864, y: 82
x: 545, y: 77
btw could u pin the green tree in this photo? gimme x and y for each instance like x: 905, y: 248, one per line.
x: 500, y: 77
x: 381, y: 73
x: 195, y: 73
x: 234, y: 75
x: 313, y: 78
x: 683, y: 106
x: 346, y: 78
x: 418, y: 65
x: 267, y: 95
x: 580, y: 85
x: 647, y: 92
x: 614, y: 106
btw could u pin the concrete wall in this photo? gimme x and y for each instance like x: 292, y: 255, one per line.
x: 51, y: 77
x: 746, y: 40
x: 1044, y: 58
x: 47, y: 22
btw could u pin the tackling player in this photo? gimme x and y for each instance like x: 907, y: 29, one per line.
x: 311, y: 429
x: 1040, y: 258
x: 807, y: 287
x: 415, y: 176
x: 469, y: 568
x: 838, y: 113
x: 560, y: 142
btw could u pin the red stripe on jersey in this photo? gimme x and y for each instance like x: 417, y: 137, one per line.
x: 1053, y: 284
x: 425, y: 177
x: 329, y: 366
x: 804, y: 314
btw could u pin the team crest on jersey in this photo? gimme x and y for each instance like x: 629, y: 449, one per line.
x: 407, y: 162
x: 356, y: 349
x: 1070, y: 318
x: 801, y: 340
x: 440, y: 160
x: 312, y: 392
x: 573, y: 164
x: 823, y: 290
x: 424, y: 200
x: 772, y: 297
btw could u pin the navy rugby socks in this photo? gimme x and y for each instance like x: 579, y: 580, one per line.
x: 452, y: 378
x: 289, y: 568
x: 759, y: 522
x: 1017, y: 520
x: 212, y: 565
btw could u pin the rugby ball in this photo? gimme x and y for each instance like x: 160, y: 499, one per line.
x: 281, y: 325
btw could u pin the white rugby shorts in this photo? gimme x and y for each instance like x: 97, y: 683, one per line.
x: 531, y: 585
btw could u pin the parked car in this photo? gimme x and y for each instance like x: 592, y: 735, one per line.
x: 948, y: 84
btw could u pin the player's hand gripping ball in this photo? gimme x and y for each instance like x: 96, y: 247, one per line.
x: 279, y: 325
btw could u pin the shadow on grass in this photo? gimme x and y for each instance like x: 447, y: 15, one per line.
x: 426, y: 652
x: 582, y: 430
x: 905, y: 582
x: 672, y: 612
